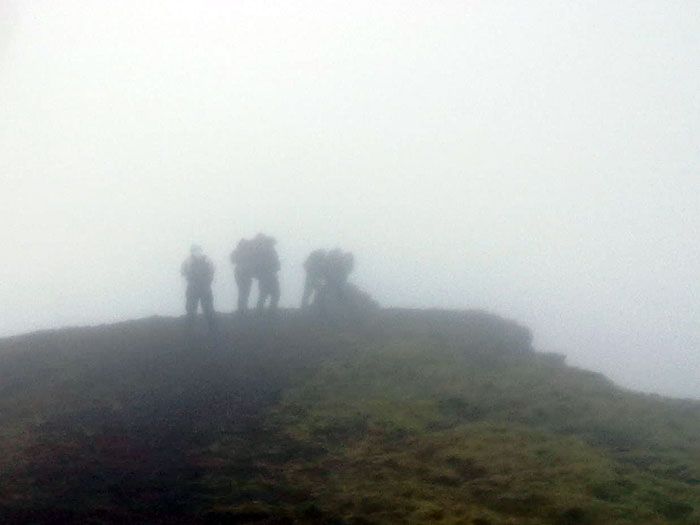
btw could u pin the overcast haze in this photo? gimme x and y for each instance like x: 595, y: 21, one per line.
x: 539, y: 160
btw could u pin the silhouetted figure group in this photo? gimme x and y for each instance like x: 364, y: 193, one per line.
x: 257, y: 259
x: 326, y: 287
x: 326, y: 278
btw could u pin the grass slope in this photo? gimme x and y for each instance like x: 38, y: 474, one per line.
x: 414, y: 417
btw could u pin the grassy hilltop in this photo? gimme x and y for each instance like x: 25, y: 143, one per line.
x: 413, y: 417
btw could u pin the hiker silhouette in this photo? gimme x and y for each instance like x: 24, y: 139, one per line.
x: 326, y: 285
x: 198, y: 271
x: 314, y: 280
x: 257, y: 258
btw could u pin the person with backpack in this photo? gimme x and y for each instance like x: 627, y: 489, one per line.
x: 314, y: 267
x: 267, y: 266
x: 242, y: 257
x: 257, y: 258
x: 198, y: 270
x: 338, y: 266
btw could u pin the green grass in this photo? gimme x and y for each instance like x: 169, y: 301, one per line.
x: 414, y: 432
x: 415, y: 417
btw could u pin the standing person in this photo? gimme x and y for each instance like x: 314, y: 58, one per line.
x: 314, y: 266
x: 198, y: 270
x: 242, y: 259
x: 267, y: 265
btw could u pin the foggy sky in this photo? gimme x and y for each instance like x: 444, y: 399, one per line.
x: 540, y: 160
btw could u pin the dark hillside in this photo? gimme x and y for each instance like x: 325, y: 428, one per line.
x: 414, y: 417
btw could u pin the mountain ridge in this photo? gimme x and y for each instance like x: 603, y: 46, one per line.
x: 408, y: 416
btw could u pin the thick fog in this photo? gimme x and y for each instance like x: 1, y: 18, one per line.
x: 539, y: 160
